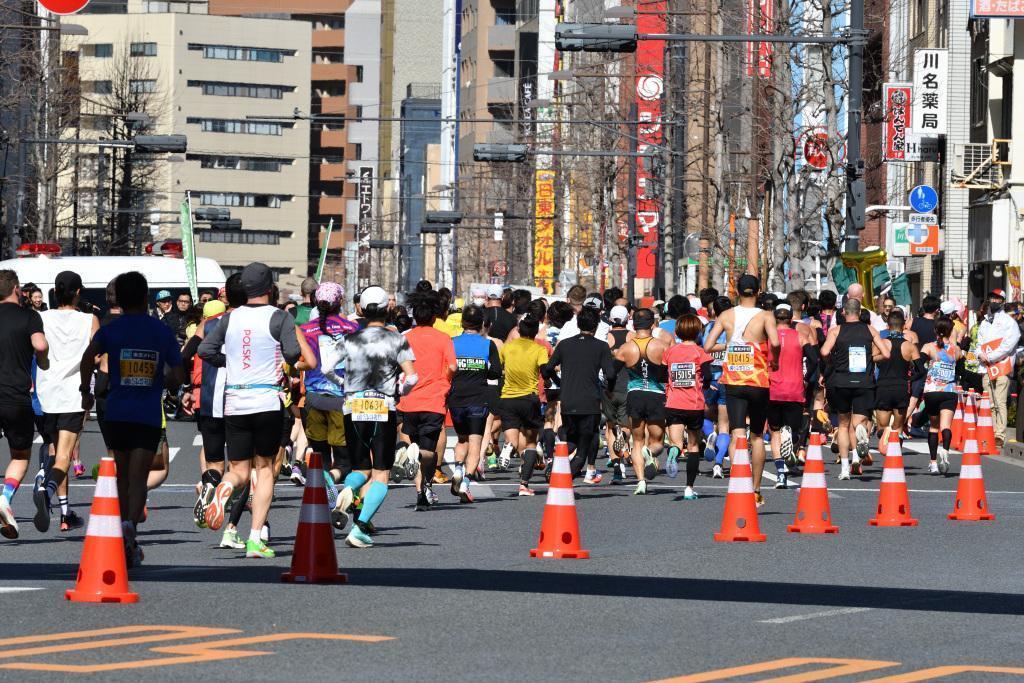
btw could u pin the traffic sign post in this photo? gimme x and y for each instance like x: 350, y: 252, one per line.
x: 924, y: 199
x: 924, y: 219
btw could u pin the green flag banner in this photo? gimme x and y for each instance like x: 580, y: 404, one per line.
x: 843, y: 277
x: 188, y: 245
x: 323, y: 250
x: 901, y: 291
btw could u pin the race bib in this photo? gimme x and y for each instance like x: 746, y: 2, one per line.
x: 717, y: 358
x: 138, y: 367
x: 470, y: 364
x: 858, y: 359
x: 943, y: 372
x: 684, y: 375
x: 368, y: 406
x: 740, y: 357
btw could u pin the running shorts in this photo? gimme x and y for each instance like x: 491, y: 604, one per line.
x: 690, y: 419
x: 211, y: 429
x: 552, y: 395
x: 371, y: 445
x: 62, y: 422
x: 613, y: 406
x: 522, y: 412
x: 423, y: 429
x: 937, y: 401
x: 130, y: 436
x: 786, y: 414
x: 743, y: 403
x: 892, y: 397
x: 856, y: 400
x: 648, y: 406
x: 17, y: 424
x: 253, y: 434
x: 714, y: 395
x: 469, y: 420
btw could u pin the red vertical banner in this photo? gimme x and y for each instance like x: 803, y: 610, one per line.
x: 896, y: 98
x: 650, y: 89
x: 760, y: 20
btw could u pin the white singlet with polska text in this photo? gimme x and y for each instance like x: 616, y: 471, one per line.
x: 253, y: 362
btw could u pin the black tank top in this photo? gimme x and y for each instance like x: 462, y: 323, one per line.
x: 896, y: 370
x: 619, y: 336
x: 851, y: 357
x: 924, y: 328
x: 622, y: 378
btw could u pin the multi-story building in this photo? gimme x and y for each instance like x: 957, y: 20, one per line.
x: 220, y: 81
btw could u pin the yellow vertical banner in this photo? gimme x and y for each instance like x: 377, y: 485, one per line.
x: 544, y: 230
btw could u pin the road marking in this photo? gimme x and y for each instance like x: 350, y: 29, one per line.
x: 18, y: 589
x: 482, y: 491
x: 944, y: 671
x: 173, y: 452
x: 815, y: 615
x: 38, y: 439
x: 198, y: 441
x: 837, y: 668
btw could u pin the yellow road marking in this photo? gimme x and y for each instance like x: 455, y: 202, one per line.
x: 842, y: 667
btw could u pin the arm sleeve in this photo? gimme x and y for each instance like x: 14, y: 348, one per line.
x: 494, y: 363
x: 211, y: 348
x: 705, y: 375
x: 548, y: 371
x: 608, y: 367
x: 919, y: 371
x: 811, y: 354
x: 282, y: 328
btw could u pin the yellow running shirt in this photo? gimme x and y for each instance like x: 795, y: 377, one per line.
x: 522, y: 360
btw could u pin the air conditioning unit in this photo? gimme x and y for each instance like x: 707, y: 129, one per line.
x: 980, y: 165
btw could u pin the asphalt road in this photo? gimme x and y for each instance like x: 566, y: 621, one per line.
x: 452, y: 594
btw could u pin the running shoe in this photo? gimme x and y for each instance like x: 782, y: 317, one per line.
x: 431, y: 496
x: 943, y: 460
x: 8, y: 525
x: 297, y: 477
x: 78, y: 469
x: 265, y: 532
x: 548, y: 466
x: 398, y: 469
x: 505, y: 457
x: 202, y: 500
x: 619, y: 444
x: 458, y: 475
x: 856, y: 469
x: 231, y: 539
x: 786, y: 445
x: 861, y: 433
x: 616, y: 472
x: 592, y: 477
x: 525, y: 490
x: 259, y: 549
x: 339, y: 515
x: 366, y: 527
x: 641, y: 489
x: 492, y: 461
x: 422, y: 502
x: 71, y: 521
x: 710, y: 446
x: 412, y: 463
x: 867, y: 460
x: 671, y: 464
x: 690, y: 494
x: 844, y: 473
x: 782, y: 481
x: 758, y: 499
x: 933, y: 468
x: 464, y: 495
x: 332, y: 490
x: 357, y: 538
x: 215, y: 510
x: 716, y: 472
x: 133, y: 554
x: 440, y: 478
x: 42, y: 518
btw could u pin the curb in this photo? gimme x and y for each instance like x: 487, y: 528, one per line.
x: 1014, y: 449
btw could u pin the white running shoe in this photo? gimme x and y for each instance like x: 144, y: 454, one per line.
x: 844, y: 473
x: 716, y: 472
x: 505, y: 457
x: 786, y: 445
x: 933, y: 467
x: 943, y: 463
x: 8, y: 525
x: 862, y: 440
x: 641, y: 489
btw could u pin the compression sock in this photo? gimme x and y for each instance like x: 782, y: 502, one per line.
x: 947, y: 438
x: 692, y: 467
x: 933, y: 445
x: 63, y: 501
x: 721, y: 448
x: 211, y: 477
x: 355, y: 481
x: 428, y: 465
x: 708, y: 427
x: 10, y: 488
x: 239, y: 507
x: 780, y: 465
x: 529, y: 462
x: 372, y: 500
x: 547, y: 439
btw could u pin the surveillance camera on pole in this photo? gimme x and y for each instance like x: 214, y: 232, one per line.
x: 595, y: 37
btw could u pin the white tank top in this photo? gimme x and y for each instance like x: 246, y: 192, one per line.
x: 67, y: 333
x: 253, y: 372
x: 741, y: 318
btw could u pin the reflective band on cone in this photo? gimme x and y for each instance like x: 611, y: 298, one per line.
x: 813, y: 513
x: 739, y: 519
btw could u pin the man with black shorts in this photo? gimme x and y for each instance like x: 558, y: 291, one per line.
x: 249, y: 343
x: 21, y: 340
x: 374, y: 358
x: 519, y: 406
x: 477, y: 361
x: 752, y: 346
x: 143, y: 357
x: 895, y: 375
x: 613, y: 401
x: 852, y: 349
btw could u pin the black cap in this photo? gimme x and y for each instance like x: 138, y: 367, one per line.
x: 748, y: 285
x: 67, y: 281
x: 257, y: 279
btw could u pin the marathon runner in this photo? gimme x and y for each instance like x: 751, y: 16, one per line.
x: 519, y: 405
x: 895, y: 375
x: 797, y: 358
x: 146, y: 357
x: 613, y: 401
x: 68, y: 332
x: 21, y: 340
x: 373, y: 357
x: 940, y: 395
x: 753, y: 344
x: 689, y: 375
x: 717, y: 437
x: 645, y: 396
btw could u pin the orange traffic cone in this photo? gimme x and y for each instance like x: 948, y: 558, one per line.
x: 314, y: 559
x: 739, y: 521
x: 958, y: 423
x: 103, y: 572
x: 560, y: 529
x: 893, y: 499
x: 986, y: 433
x: 813, y: 515
x: 971, y: 504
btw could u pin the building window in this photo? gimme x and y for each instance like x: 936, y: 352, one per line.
x: 102, y: 50
x: 238, y: 126
x: 239, y: 163
x: 358, y: 151
x: 102, y: 87
x: 96, y: 122
x: 359, y: 73
x: 242, y: 199
x: 264, y: 92
x: 142, y: 86
x: 505, y: 16
x: 143, y: 50
x: 979, y: 92
x: 269, y: 237
x: 334, y: 23
x: 243, y: 54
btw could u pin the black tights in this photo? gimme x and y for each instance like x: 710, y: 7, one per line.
x: 529, y: 462
x: 583, y: 431
x: 692, y: 467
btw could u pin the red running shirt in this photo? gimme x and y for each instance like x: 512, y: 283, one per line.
x: 434, y: 353
x: 685, y: 386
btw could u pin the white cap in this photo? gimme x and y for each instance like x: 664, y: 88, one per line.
x: 494, y: 292
x: 948, y: 308
x: 784, y: 307
x: 373, y: 295
x: 478, y: 293
x: 594, y: 302
x: 619, y: 315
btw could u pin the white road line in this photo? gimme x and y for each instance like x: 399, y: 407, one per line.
x: 38, y: 439
x: 18, y: 589
x: 198, y: 441
x: 481, y: 491
x: 173, y: 452
x: 815, y: 615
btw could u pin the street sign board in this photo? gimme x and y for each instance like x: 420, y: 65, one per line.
x: 921, y: 147
x: 924, y: 219
x: 923, y: 239
x: 924, y: 198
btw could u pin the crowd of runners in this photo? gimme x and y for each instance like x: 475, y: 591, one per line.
x: 375, y: 382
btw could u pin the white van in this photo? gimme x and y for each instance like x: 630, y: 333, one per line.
x: 162, y: 272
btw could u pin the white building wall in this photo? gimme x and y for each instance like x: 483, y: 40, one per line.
x: 955, y: 213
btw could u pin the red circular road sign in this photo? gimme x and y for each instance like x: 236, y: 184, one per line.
x: 64, y: 6
x: 815, y: 149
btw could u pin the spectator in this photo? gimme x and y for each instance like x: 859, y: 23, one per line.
x: 998, y: 335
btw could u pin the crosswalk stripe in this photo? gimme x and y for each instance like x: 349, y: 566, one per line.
x: 173, y: 452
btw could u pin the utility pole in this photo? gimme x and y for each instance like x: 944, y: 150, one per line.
x: 677, y: 71
x: 855, y: 191
x: 631, y: 208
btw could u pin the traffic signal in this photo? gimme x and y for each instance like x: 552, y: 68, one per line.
x: 160, y: 143
x: 595, y: 37
x: 495, y: 152
x: 448, y: 217
x: 212, y: 213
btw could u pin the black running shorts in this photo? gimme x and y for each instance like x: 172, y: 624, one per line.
x: 743, y: 403
x: 856, y: 400
x: 371, y: 445
x: 213, y: 432
x: 892, y: 397
x: 937, y: 401
x: 18, y: 425
x: 253, y: 434
x: 786, y: 414
x: 690, y: 419
x: 53, y: 423
x: 423, y: 429
x: 648, y: 406
x: 469, y: 420
x: 130, y: 436
x: 522, y: 412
